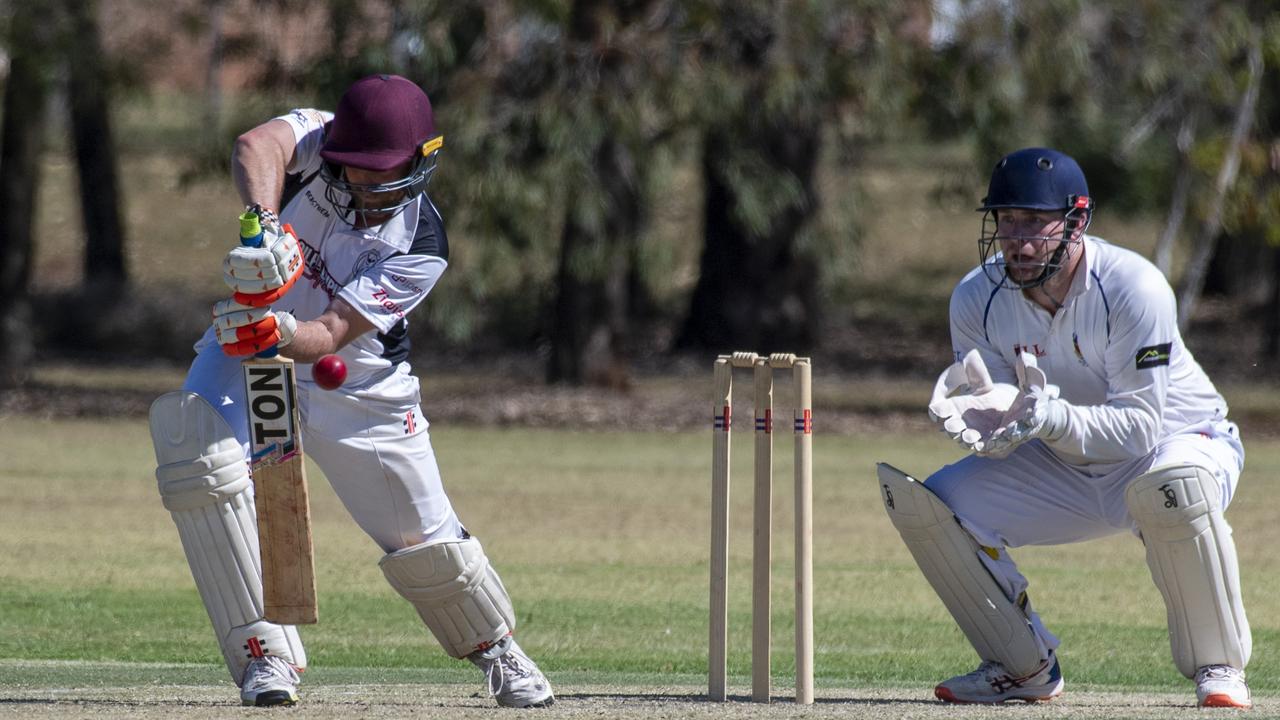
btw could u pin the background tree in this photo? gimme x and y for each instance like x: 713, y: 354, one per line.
x: 1154, y: 99
x: 772, y: 84
x: 88, y: 87
x: 569, y: 124
x: 617, y: 56
x: 26, y: 92
x: 761, y: 143
x: 553, y: 126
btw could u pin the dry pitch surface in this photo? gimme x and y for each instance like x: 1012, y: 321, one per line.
x: 604, y: 701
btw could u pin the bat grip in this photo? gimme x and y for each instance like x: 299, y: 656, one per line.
x: 251, y: 236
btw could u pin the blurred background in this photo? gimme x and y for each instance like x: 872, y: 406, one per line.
x: 633, y: 186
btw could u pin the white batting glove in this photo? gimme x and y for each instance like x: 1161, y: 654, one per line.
x: 967, y: 404
x: 274, y: 265
x: 247, y: 330
x: 1037, y: 413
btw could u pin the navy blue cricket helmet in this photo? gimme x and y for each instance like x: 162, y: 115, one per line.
x: 1034, y: 179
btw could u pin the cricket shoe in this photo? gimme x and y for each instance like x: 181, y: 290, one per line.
x: 991, y: 683
x: 268, y: 681
x: 1222, y: 686
x: 514, y: 679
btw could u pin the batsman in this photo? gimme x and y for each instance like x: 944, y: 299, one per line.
x: 351, y: 245
x: 1085, y: 415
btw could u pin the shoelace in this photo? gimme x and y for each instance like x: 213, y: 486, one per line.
x: 1218, y: 672
x: 263, y: 671
x: 995, y: 675
x: 510, y: 661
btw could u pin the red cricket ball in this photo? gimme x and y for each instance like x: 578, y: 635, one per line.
x: 329, y: 372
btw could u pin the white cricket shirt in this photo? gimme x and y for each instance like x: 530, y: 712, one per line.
x: 383, y: 272
x: 1113, y: 348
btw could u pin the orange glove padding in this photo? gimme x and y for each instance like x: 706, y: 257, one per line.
x: 266, y: 298
x: 253, y: 339
x: 245, y: 330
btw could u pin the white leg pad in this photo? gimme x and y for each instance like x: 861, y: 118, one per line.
x: 204, y: 483
x: 1192, y: 557
x: 455, y: 591
x: 998, y: 628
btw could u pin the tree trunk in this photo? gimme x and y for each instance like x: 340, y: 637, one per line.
x: 216, y: 12
x: 104, y: 261
x: 1193, y: 279
x: 590, y: 328
x: 1238, y: 268
x: 1163, y: 256
x: 756, y: 290
x: 590, y: 325
x: 1271, y: 343
x: 21, y: 143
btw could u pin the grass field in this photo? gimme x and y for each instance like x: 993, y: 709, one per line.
x: 602, y: 540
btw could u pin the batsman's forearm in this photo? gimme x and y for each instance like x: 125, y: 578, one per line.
x: 328, y: 333
x: 314, y: 339
x: 258, y: 166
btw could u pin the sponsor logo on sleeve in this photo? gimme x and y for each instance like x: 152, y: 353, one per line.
x: 406, y: 284
x: 1153, y: 356
x: 383, y: 299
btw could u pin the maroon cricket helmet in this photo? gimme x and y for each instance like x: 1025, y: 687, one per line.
x: 381, y: 121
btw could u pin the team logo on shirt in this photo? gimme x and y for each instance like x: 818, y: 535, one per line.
x: 1075, y: 344
x: 410, y: 423
x: 1153, y: 356
x: 367, y: 259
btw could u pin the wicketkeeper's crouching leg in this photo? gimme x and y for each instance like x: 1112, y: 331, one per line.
x: 1018, y: 659
x: 1192, y: 556
x: 462, y: 600
x: 204, y: 483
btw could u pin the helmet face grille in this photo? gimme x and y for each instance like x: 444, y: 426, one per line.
x: 1075, y: 221
x: 365, y: 205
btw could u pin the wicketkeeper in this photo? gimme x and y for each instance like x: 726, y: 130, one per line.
x: 366, y: 247
x: 1086, y: 416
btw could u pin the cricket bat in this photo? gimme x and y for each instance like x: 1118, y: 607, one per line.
x: 279, y: 480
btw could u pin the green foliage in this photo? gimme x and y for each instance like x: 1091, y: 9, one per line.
x: 1108, y: 82
x: 534, y: 98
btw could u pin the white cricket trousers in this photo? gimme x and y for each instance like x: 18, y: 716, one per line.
x: 372, y: 445
x: 1033, y: 498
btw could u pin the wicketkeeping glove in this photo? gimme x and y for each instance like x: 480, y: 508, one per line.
x: 1037, y: 413
x: 260, y: 275
x: 967, y: 404
x: 246, y: 330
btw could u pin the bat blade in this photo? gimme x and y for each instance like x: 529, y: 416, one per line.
x: 280, y: 492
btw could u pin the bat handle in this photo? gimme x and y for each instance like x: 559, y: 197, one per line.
x: 251, y: 236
